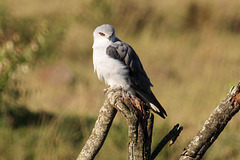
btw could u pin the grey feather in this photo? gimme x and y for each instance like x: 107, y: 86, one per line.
x: 137, y: 78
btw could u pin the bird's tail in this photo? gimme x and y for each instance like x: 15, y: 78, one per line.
x: 154, y: 104
x: 159, y: 110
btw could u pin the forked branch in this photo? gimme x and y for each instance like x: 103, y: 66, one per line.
x: 140, y: 126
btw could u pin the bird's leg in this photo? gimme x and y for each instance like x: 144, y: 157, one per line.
x: 123, y: 95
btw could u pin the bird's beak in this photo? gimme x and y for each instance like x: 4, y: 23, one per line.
x: 110, y: 36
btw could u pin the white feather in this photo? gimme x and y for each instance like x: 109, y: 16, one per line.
x: 156, y: 109
x: 108, y: 69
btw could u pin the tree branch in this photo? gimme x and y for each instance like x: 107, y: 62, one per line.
x: 140, y: 123
x: 140, y: 126
x: 99, y: 132
x: 172, y: 135
x: 149, y: 134
x: 213, y: 126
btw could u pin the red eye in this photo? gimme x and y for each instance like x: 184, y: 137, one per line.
x: 102, y: 34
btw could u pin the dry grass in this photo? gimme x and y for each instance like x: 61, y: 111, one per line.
x: 189, y: 50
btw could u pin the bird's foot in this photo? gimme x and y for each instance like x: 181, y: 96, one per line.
x: 124, y: 96
x: 138, y: 104
x: 105, y: 90
x: 123, y: 93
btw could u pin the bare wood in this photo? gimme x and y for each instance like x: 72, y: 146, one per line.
x: 99, y: 132
x: 213, y: 126
x: 139, y: 126
x: 148, y: 145
x: 171, y: 136
x: 139, y: 122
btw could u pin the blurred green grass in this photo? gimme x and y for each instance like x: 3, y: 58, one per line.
x: 189, y: 50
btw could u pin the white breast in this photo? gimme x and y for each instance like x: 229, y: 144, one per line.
x: 108, y: 69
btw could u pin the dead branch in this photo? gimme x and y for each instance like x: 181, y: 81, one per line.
x: 171, y: 136
x: 140, y: 124
x: 99, y: 132
x: 213, y: 126
x: 140, y: 127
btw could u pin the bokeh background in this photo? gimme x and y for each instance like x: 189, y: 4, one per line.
x: 50, y: 97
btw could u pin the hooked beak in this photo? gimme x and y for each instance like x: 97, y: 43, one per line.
x: 111, y: 37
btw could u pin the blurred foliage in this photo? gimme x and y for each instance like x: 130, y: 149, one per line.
x: 23, y: 42
x: 59, y: 138
x: 48, y: 92
x: 133, y: 17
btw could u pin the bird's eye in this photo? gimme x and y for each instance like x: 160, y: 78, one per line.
x: 101, y: 34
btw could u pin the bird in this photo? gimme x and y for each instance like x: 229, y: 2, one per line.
x: 118, y: 65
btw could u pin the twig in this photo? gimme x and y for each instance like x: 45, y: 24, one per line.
x: 172, y: 135
x: 213, y: 126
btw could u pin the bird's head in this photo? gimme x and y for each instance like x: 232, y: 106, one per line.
x: 104, y: 32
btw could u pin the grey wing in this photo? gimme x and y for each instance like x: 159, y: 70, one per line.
x: 125, y: 53
x: 138, y: 78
